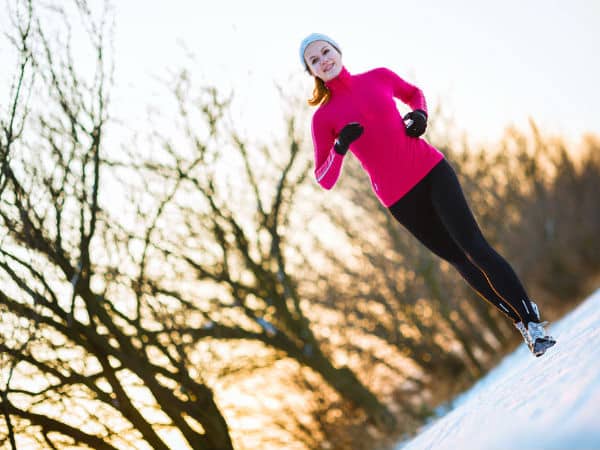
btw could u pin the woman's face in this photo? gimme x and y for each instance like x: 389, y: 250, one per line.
x: 323, y: 60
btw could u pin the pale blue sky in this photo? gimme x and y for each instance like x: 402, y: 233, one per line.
x: 489, y: 63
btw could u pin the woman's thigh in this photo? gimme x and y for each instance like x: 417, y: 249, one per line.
x: 416, y: 212
x: 453, y: 211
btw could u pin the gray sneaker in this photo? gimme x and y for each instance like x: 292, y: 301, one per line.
x: 541, y: 340
x: 535, y: 337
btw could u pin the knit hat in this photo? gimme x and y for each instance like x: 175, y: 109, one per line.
x: 312, y: 38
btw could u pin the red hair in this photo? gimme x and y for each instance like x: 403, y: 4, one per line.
x: 321, y: 93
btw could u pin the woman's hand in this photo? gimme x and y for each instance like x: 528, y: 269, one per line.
x: 347, y: 136
x: 416, y: 123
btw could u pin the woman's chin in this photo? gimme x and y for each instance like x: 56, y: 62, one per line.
x: 332, y: 73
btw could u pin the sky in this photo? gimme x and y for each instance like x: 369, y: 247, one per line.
x: 488, y: 64
x: 531, y: 403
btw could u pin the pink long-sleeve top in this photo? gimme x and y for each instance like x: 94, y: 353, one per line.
x: 394, y: 161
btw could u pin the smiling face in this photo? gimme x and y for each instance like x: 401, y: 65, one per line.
x: 323, y: 60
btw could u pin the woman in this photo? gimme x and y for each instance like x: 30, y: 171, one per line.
x: 409, y: 176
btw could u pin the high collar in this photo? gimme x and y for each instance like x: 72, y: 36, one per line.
x: 340, y: 81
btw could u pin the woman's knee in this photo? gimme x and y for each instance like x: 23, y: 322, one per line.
x: 479, y: 251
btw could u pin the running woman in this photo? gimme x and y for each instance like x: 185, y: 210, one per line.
x: 409, y: 176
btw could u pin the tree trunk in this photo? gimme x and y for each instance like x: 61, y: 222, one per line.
x: 216, y: 431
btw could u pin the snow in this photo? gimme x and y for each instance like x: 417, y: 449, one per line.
x: 551, y: 402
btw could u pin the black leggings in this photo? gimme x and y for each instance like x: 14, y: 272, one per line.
x: 436, y: 212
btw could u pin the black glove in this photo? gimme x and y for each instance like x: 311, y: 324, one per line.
x: 347, y: 136
x: 416, y: 123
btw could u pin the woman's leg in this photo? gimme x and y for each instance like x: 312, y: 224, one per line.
x: 451, y: 206
x: 416, y: 213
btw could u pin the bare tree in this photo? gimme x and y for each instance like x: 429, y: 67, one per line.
x: 82, y: 366
x: 228, y: 232
x: 13, y: 118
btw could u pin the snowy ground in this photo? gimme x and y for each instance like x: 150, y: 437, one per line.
x: 551, y: 402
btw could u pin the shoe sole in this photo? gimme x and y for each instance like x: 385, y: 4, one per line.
x: 541, y: 345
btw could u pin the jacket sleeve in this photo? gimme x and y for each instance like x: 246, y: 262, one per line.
x: 328, y: 162
x: 408, y: 93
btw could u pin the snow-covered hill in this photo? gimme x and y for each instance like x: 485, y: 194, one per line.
x: 551, y: 402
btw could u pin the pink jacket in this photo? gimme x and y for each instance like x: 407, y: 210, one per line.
x: 394, y: 161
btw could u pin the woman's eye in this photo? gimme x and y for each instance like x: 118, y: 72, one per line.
x: 325, y: 51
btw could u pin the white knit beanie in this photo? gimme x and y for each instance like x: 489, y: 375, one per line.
x: 312, y: 38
